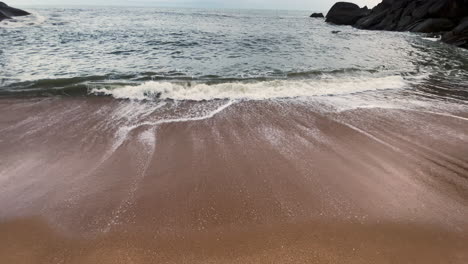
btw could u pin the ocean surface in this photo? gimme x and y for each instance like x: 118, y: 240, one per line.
x: 192, y: 54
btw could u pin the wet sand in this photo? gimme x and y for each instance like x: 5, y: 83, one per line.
x: 99, y: 180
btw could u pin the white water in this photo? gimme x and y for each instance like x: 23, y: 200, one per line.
x: 432, y: 39
x: 253, y: 90
x: 23, y: 21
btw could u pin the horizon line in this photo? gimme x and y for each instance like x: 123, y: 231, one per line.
x: 164, y: 6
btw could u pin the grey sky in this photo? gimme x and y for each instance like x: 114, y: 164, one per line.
x: 312, y: 5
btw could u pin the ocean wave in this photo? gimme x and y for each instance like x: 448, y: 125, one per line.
x: 79, y: 84
x: 260, y: 90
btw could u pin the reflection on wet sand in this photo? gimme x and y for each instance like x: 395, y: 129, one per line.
x: 98, y: 180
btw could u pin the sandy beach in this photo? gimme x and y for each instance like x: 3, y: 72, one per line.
x: 99, y: 180
x: 222, y: 132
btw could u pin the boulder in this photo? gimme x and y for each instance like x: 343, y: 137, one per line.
x: 425, y: 16
x: 3, y: 16
x: 462, y: 27
x: 344, y: 13
x: 404, y: 23
x: 400, y: 4
x: 434, y: 25
x: 390, y: 20
x: 383, y: 6
x: 459, y: 35
x: 368, y: 22
x: 388, y: 23
x: 422, y: 11
x: 409, y: 9
x: 9, y: 11
x: 457, y: 40
x: 454, y: 9
x: 437, y: 8
x: 317, y: 15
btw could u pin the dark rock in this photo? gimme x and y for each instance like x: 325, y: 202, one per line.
x: 401, y: 4
x: 335, y: 31
x: 344, y: 13
x: 390, y: 21
x: 457, y: 40
x: 422, y: 11
x: 425, y: 16
x: 383, y: 6
x: 409, y: 9
x: 368, y: 22
x: 434, y: 25
x: 459, y: 35
x: 11, y: 11
x: 397, y: 16
x: 384, y: 24
x: 454, y: 9
x: 404, y: 22
x: 3, y: 16
x: 462, y: 27
x: 437, y: 8
x: 317, y: 15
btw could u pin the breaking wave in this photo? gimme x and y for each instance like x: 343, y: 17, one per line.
x: 259, y: 90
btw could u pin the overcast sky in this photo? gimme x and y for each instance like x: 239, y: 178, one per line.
x: 312, y: 5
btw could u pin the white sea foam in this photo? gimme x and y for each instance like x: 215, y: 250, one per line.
x: 23, y: 21
x: 432, y: 39
x: 253, y: 90
x: 207, y: 115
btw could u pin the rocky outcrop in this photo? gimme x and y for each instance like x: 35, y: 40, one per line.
x: 447, y: 17
x: 317, y: 15
x: 344, y: 13
x: 6, y: 12
x: 3, y: 16
x: 459, y: 35
x: 434, y: 25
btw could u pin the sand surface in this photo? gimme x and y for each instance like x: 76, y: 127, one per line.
x: 98, y: 180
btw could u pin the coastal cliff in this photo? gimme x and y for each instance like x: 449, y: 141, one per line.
x: 448, y: 18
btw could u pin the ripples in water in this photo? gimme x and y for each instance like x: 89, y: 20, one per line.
x: 75, y: 51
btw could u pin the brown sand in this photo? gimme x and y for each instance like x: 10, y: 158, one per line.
x: 258, y: 182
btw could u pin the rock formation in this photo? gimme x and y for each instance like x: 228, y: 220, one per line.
x: 317, y: 15
x: 447, y: 17
x: 7, y: 12
x: 343, y: 13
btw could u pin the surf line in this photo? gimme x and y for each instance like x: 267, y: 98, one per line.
x: 182, y: 120
x: 123, y: 132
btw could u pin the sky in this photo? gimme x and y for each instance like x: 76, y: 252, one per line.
x: 312, y: 5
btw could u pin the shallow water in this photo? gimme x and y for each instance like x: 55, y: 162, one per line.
x: 190, y: 54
